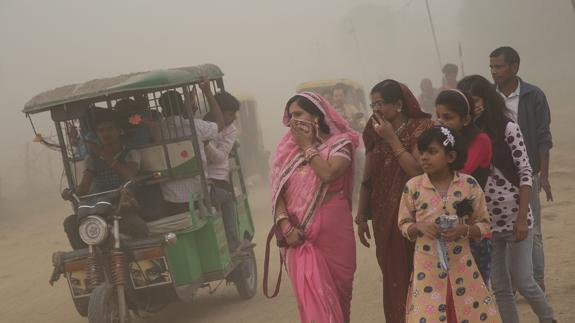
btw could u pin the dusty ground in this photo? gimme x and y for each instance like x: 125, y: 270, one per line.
x: 30, y: 233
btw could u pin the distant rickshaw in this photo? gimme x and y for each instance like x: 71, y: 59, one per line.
x: 253, y: 155
x: 117, y: 276
x: 347, y: 96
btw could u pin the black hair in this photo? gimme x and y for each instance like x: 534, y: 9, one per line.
x: 227, y: 102
x: 310, y: 108
x: 103, y: 116
x: 510, y: 55
x: 449, y: 68
x: 172, y: 104
x: 463, y: 106
x: 436, y: 134
x: 391, y: 92
x: 495, y: 115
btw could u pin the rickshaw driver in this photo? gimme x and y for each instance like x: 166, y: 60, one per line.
x: 350, y: 112
x: 108, y: 166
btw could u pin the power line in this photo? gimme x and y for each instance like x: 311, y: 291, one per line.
x: 434, y: 35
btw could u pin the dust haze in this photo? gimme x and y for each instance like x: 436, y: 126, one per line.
x: 265, y: 48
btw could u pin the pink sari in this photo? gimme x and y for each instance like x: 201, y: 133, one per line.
x: 322, y: 268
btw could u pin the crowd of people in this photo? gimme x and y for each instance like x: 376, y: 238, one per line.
x: 453, y: 202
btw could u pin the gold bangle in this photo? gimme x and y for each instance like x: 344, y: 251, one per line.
x: 399, y: 152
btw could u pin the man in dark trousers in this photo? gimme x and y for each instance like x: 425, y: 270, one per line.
x: 530, y: 110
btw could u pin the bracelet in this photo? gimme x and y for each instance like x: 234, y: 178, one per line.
x: 359, y: 219
x: 310, y: 153
x: 399, y: 152
x: 288, y: 232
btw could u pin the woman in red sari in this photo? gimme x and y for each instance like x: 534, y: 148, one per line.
x: 312, y: 178
x: 390, y: 139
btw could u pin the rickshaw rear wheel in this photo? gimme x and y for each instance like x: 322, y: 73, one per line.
x: 245, y: 277
x: 81, y: 305
x: 103, y: 306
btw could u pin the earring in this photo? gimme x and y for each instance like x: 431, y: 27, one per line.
x: 399, y: 109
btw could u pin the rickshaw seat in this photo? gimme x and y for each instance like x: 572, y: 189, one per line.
x: 171, y: 223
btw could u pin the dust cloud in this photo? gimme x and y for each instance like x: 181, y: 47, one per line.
x: 265, y: 48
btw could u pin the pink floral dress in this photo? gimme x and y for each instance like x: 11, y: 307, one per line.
x: 428, y: 297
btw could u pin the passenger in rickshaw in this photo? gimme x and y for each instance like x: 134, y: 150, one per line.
x: 218, y: 152
x: 176, y: 193
x: 135, y: 120
x: 107, y: 167
x: 350, y: 112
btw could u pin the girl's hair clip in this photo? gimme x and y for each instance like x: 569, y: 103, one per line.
x: 449, y: 139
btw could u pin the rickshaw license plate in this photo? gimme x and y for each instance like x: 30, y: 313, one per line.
x: 146, y: 273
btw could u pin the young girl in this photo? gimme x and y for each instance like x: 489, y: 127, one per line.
x: 508, y: 192
x: 454, y: 110
x: 439, y: 194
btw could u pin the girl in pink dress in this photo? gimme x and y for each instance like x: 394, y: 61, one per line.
x: 446, y: 284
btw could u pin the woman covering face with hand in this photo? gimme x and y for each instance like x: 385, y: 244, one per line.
x: 312, y: 184
x: 390, y: 139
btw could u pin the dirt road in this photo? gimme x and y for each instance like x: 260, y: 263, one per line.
x: 31, y: 232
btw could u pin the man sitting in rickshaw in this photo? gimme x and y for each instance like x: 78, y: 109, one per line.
x: 350, y: 112
x: 107, y: 167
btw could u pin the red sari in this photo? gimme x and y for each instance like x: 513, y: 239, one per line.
x: 386, y: 182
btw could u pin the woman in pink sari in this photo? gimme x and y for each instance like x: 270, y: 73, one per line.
x: 312, y: 179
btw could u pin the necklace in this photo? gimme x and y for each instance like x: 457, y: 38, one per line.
x: 398, y: 130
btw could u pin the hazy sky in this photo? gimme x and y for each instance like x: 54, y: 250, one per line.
x: 264, y: 47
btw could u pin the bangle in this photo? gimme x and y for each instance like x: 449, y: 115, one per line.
x: 399, y: 152
x: 309, y: 153
x: 359, y: 219
x: 288, y: 232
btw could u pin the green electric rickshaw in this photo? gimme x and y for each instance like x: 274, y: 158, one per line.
x: 116, y: 276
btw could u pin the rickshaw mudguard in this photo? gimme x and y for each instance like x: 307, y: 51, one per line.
x: 199, y: 250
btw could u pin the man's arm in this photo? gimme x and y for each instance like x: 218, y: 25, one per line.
x: 215, y: 112
x: 544, y: 143
x: 220, y: 150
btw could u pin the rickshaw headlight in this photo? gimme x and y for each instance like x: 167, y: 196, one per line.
x: 93, y: 230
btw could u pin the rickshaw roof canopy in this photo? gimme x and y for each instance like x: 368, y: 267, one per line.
x: 103, y: 87
x: 328, y: 83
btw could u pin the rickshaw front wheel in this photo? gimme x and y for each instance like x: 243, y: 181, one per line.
x: 103, y: 306
x: 245, y: 277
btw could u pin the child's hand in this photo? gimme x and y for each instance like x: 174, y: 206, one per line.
x: 452, y: 234
x: 429, y: 229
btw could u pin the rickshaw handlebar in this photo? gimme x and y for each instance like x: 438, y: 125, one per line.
x: 69, y: 194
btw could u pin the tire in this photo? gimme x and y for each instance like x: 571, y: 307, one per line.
x: 81, y: 305
x: 103, y: 306
x: 245, y: 277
